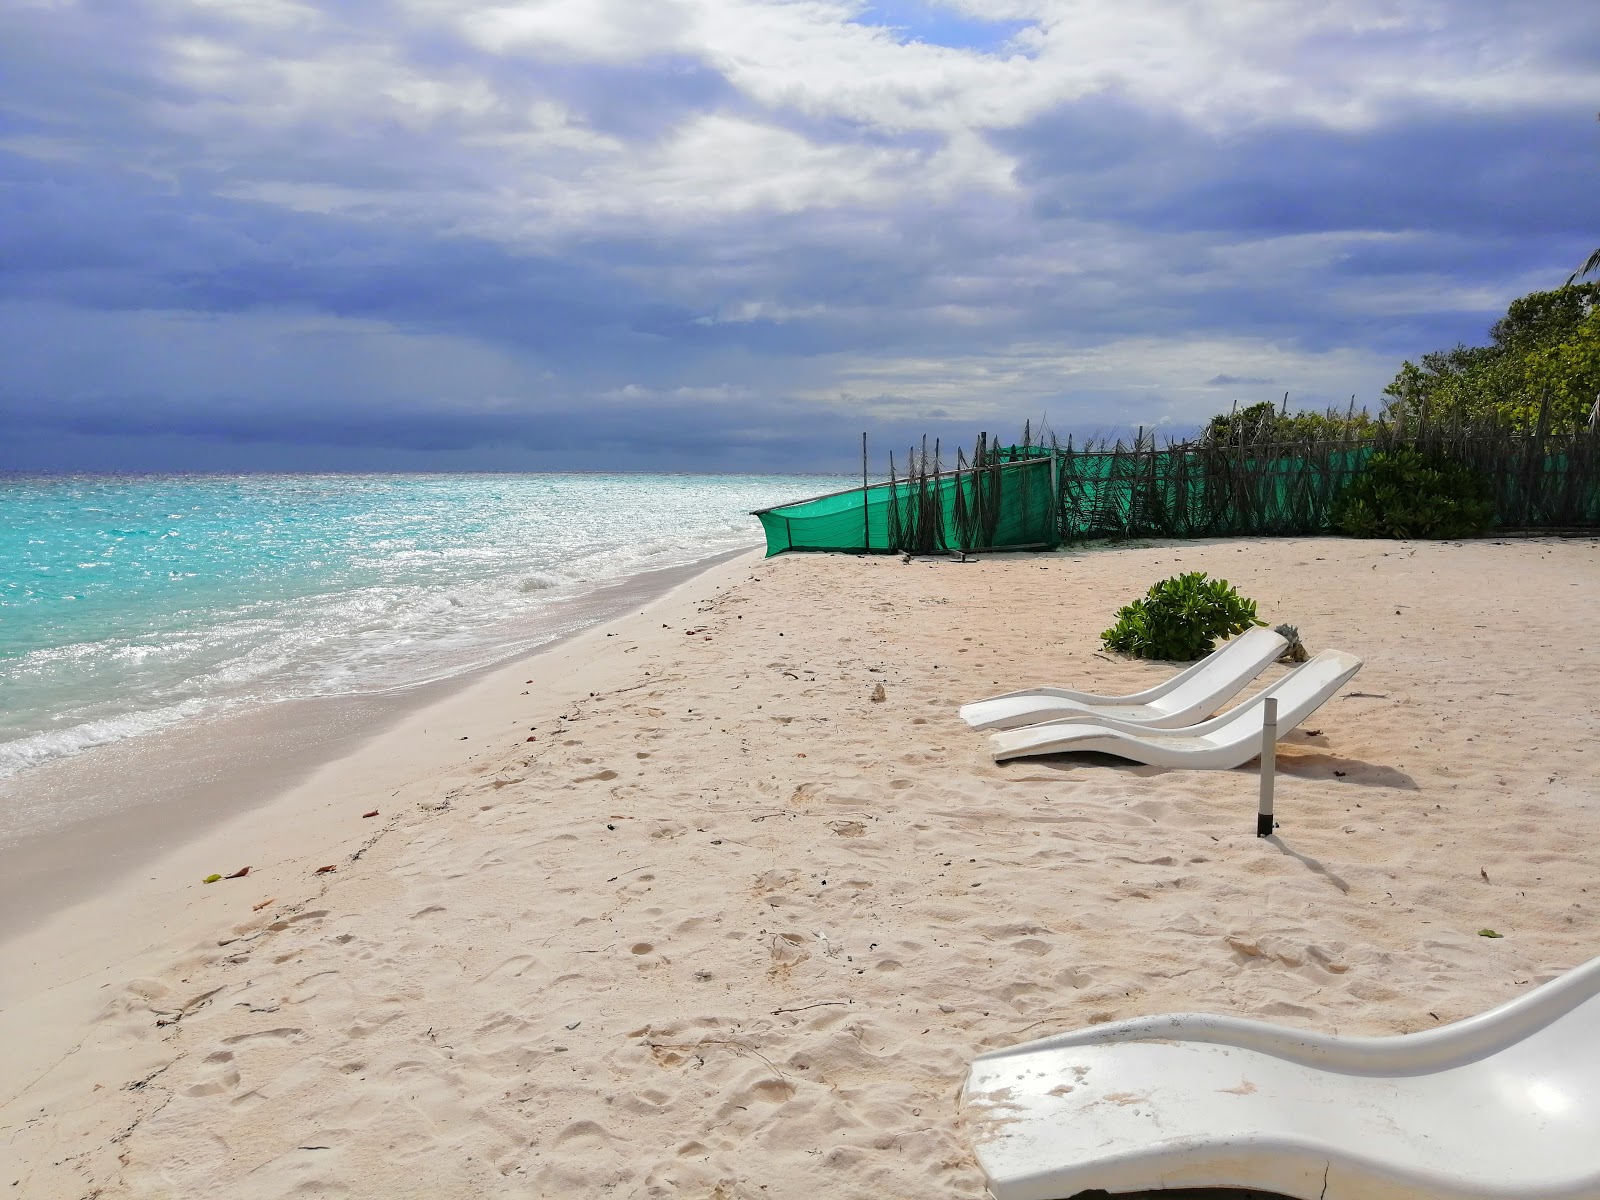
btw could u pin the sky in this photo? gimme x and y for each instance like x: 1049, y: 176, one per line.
x: 735, y: 234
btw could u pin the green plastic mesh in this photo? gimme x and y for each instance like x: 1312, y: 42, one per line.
x: 1018, y: 495
x: 855, y: 520
x: 1041, y: 498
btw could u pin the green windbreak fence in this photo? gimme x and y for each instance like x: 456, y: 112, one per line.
x: 1039, y: 497
x: 1188, y: 491
x: 1007, y: 506
x: 856, y: 520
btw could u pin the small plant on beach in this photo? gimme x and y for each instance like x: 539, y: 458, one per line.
x: 1404, y: 493
x: 1296, y: 650
x: 1180, y: 619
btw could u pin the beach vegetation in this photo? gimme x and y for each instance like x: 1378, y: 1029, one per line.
x: 1180, y: 619
x: 1405, y: 493
x: 1542, y: 366
x: 1268, y: 424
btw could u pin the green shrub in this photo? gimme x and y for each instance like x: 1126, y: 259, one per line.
x: 1406, y: 494
x: 1181, y: 619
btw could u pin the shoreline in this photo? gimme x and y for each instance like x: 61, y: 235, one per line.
x: 166, y: 781
x: 136, y: 905
x: 740, y: 916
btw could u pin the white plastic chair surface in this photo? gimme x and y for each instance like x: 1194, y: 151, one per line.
x: 1223, y: 742
x: 1193, y: 693
x: 1502, y: 1106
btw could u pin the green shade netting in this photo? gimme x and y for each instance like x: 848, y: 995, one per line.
x: 859, y: 520
x: 1042, y: 499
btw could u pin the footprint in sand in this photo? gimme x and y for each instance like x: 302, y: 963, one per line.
x: 284, y: 1034
x: 227, y: 1081
x: 774, y: 880
x: 772, y: 1091
x: 583, y: 1131
x: 762, y: 1091
x: 1032, y: 946
x: 787, y: 951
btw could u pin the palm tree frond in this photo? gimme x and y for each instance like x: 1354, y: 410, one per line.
x: 1590, y: 266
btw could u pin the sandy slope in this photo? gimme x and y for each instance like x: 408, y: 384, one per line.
x: 730, y: 927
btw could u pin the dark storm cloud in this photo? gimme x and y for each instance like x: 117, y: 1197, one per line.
x: 209, y: 236
x: 1426, y: 170
x: 1234, y: 380
x: 651, y: 435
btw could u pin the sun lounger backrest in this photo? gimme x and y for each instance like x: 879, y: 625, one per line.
x: 1299, y: 694
x: 1220, y: 676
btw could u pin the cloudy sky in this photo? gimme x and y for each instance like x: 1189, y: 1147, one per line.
x: 713, y: 234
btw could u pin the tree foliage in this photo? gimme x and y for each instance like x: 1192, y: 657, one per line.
x: 1545, y: 349
x: 1266, y: 423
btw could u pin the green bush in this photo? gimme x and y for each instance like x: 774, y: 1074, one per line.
x: 1406, y: 494
x: 1181, y: 619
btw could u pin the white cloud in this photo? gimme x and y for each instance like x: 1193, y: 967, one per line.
x: 720, y: 393
x: 588, y: 30
x: 831, y: 112
x: 262, y: 14
x: 1160, y: 380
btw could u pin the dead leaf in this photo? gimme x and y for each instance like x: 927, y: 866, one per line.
x: 326, y: 869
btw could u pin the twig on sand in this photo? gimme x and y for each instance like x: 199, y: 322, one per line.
x: 737, y: 1047
x: 629, y: 871
x: 819, y: 1004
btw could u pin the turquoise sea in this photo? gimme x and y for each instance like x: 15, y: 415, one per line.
x: 132, y: 604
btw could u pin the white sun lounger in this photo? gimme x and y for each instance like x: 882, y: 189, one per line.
x: 1193, y: 694
x: 1502, y: 1106
x: 1230, y: 740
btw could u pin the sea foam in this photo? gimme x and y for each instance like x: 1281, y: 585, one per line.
x: 128, y: 605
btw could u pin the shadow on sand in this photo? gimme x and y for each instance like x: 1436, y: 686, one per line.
x: 1311, y: 864
x: 1295, y: 761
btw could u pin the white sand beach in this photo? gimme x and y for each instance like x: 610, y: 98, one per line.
x: 677, y: 908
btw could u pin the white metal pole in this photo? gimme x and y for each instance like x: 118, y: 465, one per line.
x: 1269, y: 762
